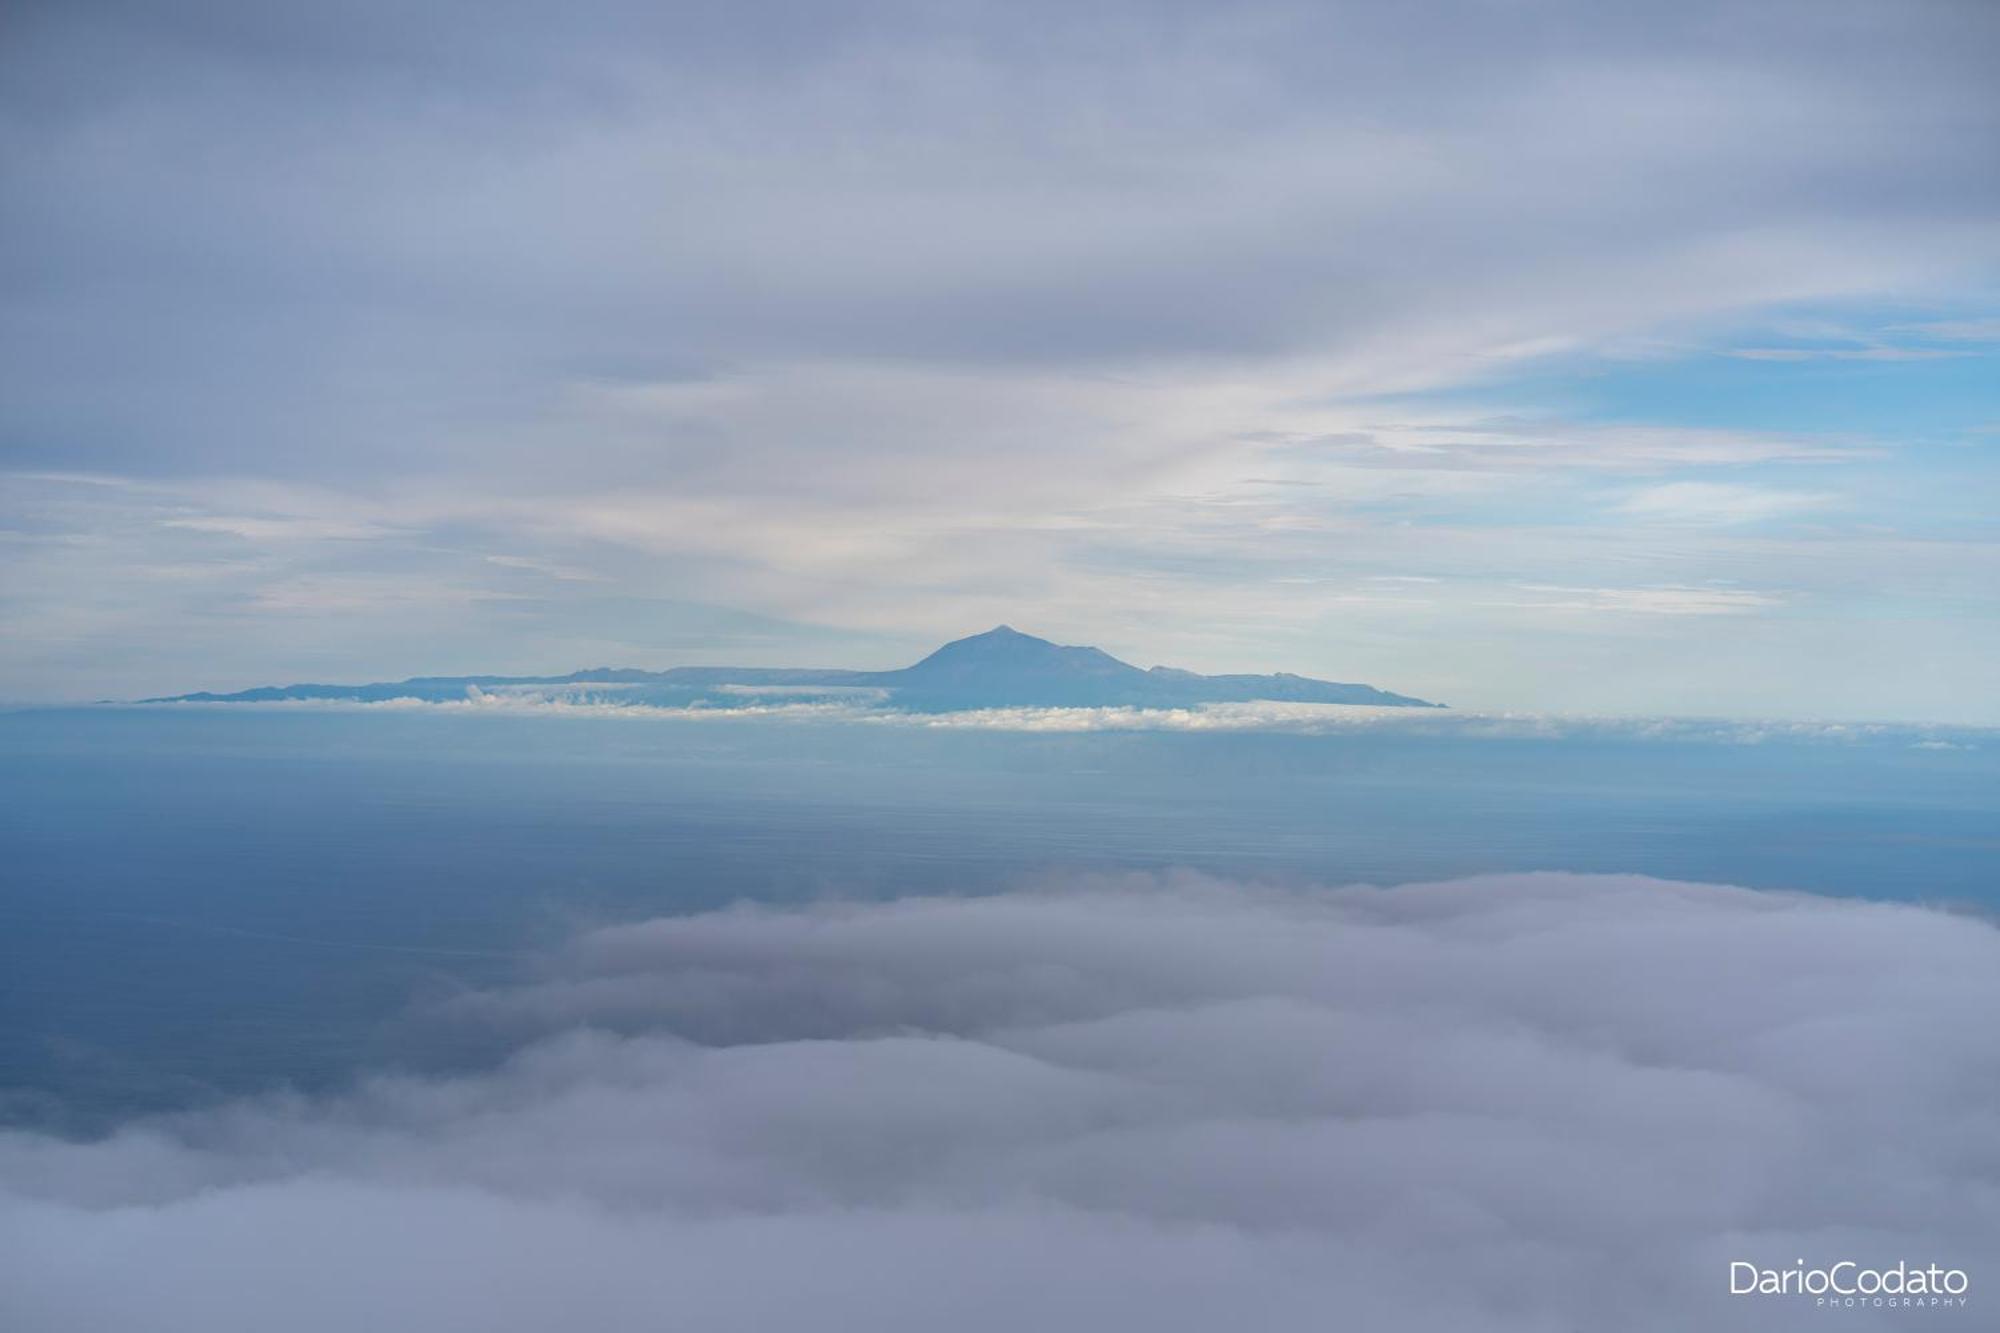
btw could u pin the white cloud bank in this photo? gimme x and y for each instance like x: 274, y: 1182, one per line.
x: 1529, y: 1102
x: 604, y: 702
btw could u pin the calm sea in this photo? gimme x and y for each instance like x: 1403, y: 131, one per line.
x: 200, y: 902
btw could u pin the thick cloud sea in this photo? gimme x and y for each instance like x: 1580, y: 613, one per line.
x: 1523, y: 1102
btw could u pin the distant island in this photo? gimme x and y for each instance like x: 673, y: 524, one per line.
x: 1000, y: 668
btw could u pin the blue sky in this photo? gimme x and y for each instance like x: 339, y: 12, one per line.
x: 1528, y: 357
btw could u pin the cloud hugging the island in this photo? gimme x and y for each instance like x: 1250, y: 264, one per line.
x: 1514, y: 1103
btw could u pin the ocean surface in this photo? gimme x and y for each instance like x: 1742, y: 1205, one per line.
x: 205, y: 901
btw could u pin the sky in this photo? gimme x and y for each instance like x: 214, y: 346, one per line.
x: 1545, y: 356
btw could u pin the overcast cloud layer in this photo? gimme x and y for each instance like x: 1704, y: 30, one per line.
x: 361, y: 341
x: 1528, y: 1102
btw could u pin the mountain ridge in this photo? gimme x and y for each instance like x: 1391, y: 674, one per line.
x: 1001, y: 667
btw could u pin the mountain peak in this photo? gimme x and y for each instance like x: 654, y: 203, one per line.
x: 1004, y: 650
